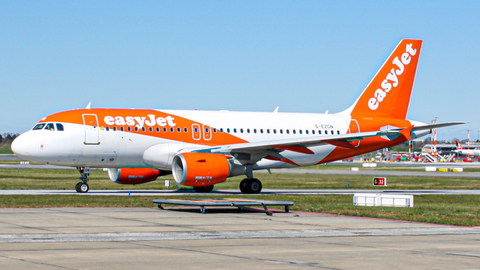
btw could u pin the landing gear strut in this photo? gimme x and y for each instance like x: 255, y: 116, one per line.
x: 250, y: 185
x: 82, y: 187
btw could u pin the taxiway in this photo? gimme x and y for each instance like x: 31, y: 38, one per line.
x: 149, y: 238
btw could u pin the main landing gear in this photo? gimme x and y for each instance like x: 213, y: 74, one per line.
x: 250, y: 186
x: 82, y: 187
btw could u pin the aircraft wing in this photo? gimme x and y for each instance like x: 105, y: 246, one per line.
x: 296, y: 145
x: 302, y: 145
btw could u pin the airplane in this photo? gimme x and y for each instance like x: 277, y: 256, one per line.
x: 462, y: 151
x: 204, y: 148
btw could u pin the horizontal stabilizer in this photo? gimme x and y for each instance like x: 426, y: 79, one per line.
x: 438, y: 125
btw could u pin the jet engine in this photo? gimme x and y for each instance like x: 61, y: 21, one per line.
x: 133, y: 176
x: 203, y: 169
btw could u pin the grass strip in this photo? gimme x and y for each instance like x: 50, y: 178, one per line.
x: 461, y: 210
x: 66, y: 179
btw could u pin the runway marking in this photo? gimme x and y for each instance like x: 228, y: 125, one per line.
x: 160, y: 236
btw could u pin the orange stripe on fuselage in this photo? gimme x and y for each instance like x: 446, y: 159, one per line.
x: 148, y: 119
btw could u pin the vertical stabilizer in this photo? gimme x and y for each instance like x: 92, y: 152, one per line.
x: 388, y: 94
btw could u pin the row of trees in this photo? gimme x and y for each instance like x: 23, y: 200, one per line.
x: 6, y: 140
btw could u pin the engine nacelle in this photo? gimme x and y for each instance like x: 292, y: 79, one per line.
x: 203, y: 169
x: 133, y: 176
x: 161, y: 155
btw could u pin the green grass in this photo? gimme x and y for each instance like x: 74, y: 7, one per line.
x: 461, y: 210
x: 442, y: 209
x: 66, y: 179
x: 6, y: 150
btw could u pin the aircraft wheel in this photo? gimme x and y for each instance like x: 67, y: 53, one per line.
x: 77, y: 186
x: 244, y: 186
x: 82, y: 187
x: 205, y: 189
x: 254, y: 186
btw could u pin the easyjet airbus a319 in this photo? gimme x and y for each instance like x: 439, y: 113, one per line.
x: 204, y: 148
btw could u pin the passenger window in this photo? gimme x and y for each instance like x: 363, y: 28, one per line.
x: 121, y: 128
x: 268, y: 131
x: 186, y: 130
x: 164, y: 129
x: 331, y: 132
x: 281, y: 131
x: 179, y: 130
x: 136, y: 128
x: 313, y: 132
x: 288, y: 132
x: 158, y: 129
x: 338, y: 132
x: 38, y: 126
x: 254, y: 130
x: 221, y: 130
x: 248, y: 130
x: 114, y: 128
x: 306, y: 131
x: 107, y: 129
x: 274, y: 131
x: 50, y: 126
x: 228, y: 130
x: 300, y: 131
x: 319, y: 132
x: 172, y: 130
x: 129, y: 129
x: 234, y: 130
x: 143, y: 129
x: 241, y: 130
x: 214, y: 130
x: 59, y: 127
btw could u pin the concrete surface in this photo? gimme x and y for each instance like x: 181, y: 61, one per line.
x: 182, y: 238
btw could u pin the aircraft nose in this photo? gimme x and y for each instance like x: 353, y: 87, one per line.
x: 19, y: 147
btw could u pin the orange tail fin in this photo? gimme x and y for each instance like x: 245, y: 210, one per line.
x: 388, y: 94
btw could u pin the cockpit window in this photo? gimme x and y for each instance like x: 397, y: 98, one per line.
x: 59, y: 127
x: 50, y: 126
x: 39, y: 126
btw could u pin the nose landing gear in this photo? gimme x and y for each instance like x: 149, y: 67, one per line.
x: 82, y: 187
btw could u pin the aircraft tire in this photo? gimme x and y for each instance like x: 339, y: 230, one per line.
x: 244, y: 186
x: 254, y: 186
x: 83, y: 187
x: 77, y: 187
x: 205, y: 189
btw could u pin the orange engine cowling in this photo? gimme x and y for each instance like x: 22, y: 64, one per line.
x: 133, y: 176
x: 200, y: 169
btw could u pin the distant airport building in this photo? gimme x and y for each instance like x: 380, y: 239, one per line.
x: 442, y: 148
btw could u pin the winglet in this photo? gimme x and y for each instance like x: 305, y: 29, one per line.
x: 88, y: 106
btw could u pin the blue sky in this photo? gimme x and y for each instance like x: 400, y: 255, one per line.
x: 304, y: 56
